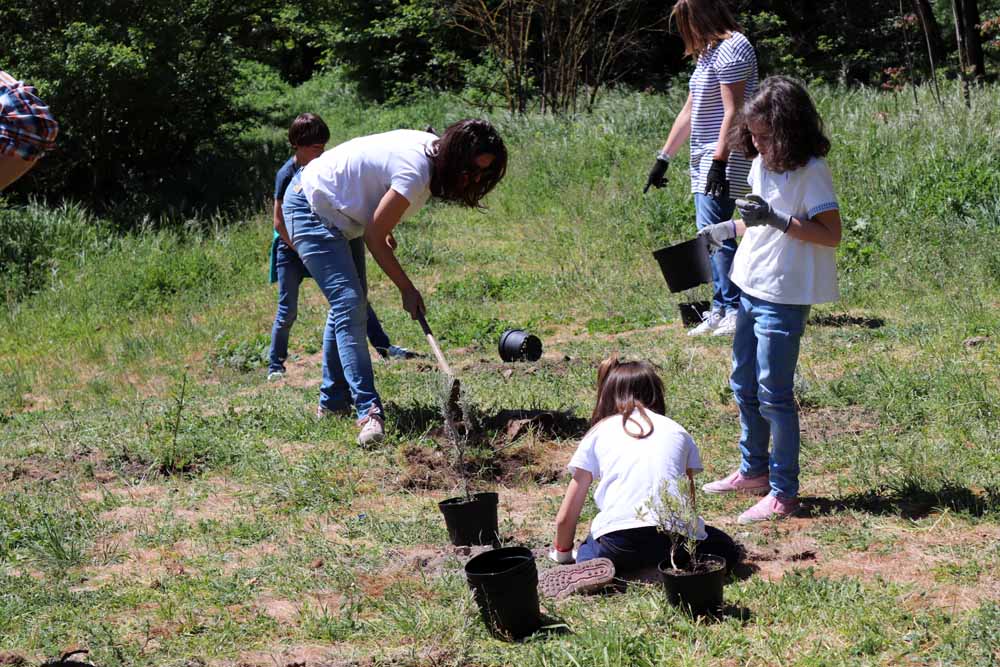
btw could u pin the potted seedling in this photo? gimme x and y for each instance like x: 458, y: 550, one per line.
x: 691, y: 581
x: 471, y: 518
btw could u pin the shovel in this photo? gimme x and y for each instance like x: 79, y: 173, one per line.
x: 453, y: 410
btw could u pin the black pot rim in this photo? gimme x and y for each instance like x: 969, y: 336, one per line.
x: 523, y: 556
x: 667, y: 570
x: 489, y: 497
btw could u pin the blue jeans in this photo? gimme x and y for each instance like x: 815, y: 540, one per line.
x: 291, y: 271
x: 637, y: 548
x: 708, y: 211
x: 347, y: 367
x: 765, y: 353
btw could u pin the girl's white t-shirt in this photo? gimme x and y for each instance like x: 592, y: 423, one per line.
x: 345, y: 184
x: 631, y: 472
x: 770, y: 264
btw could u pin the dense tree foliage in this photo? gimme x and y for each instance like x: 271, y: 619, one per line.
x: 153, y: 96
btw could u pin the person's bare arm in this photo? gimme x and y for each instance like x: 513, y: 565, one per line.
x: 823, y: 229
x: 732, y: 97
x: 387, y: 215
x: 569, y: 511
x: 279, y: 224
x: 679, y: 131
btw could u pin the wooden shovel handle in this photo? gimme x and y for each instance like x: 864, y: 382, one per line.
x: 445, y: 368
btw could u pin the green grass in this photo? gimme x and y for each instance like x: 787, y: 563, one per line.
x: 155, y: 492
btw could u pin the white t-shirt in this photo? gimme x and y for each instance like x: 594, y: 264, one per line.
x: 345, y: 184
x: 773, y: 266
x: 631, y: 472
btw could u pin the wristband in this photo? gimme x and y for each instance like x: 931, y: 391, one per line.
x: 562, y: 551
x: 663, y: 157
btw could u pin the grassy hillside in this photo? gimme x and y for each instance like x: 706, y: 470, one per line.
x: 161, y: 504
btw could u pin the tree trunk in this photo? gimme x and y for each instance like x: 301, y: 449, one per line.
x: 932, y: 30
x: 973, y: 43
x: 958, y: 12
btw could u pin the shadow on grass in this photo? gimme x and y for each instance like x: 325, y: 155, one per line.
x: 909, y: 501
x: 844, y: 320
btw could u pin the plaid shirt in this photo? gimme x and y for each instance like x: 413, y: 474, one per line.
x: 27, y: 128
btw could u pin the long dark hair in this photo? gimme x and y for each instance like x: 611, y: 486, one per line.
x: 783, y: 106
x: 703, y: 23
x: 455, y: 176
x: 624, y: 387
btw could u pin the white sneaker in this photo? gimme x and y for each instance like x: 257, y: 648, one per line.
x: 274, y: 376
x: 709, y: 322
x: 727, y: 325
x: 372, y: 430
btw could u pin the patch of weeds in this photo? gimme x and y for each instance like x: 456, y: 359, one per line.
x: 332, y: 625
x: 424, y: 529
x: 966, y: 573
x: 618, y: 323
x: 847, y: 534
x: 243, y: 356
x: 485, y: 287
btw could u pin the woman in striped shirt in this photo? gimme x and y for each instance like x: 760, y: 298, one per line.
x: 725, y: 76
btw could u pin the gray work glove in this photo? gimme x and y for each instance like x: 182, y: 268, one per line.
x: 718, y: 234
x: 755, y: 212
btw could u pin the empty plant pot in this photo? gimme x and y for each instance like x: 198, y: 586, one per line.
x: 699, y: 591
x: 519, y: 345
x: 686, y: 264
x: 691, y: 312
x: 471, y: 522
x: 504, y: 583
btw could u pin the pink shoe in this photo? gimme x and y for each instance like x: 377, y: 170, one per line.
x: 736, y: 482
x: 770, y: 507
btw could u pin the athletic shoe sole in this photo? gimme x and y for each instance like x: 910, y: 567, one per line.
x: 752, y: 491
x: 564, y: 580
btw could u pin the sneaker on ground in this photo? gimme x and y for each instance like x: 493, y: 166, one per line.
x: 324, y: 412
x: 274, y: 376
x: 372, y: 430
x: 709, y: 321
x: 737, y: 483
x: 769, y: 507
x: 727, y: 325
x: 564, y: 580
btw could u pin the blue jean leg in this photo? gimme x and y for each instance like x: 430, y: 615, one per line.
x: 767, y: 340
x: 376, y: 334
x: 709, y: 211
x: 290, y: 271
x: 347, y: 366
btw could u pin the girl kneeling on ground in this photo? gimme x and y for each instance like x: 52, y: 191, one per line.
x: 633, y: 450
x: 363, y: 188
x: 785, y: 263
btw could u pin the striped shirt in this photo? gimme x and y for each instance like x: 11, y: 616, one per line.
x: 730, y: 61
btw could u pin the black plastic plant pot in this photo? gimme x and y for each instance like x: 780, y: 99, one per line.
x: 504, y: 583
x: 519, y: 345
x: 691, y: 312
x: 471, y: 522
x: 699, y: 592
x: 686, y: 264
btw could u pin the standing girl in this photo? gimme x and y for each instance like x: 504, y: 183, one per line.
x: 785, y: 263
x: 363, y: 188
x: 633, y: 450
x: 724, y: 77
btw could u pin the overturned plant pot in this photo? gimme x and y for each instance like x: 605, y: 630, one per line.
x: 692, y: 312
x: 700, y: 590
x: 519, y: 345
x: 471, y: 522
x: 504, y: 583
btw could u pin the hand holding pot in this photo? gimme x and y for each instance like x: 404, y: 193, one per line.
x: 562, y: 557
x: 755, y: 212
x: 718, y: 233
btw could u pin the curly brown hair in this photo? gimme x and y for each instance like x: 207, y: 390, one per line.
x: 624, y: 387
x: 783, y: 106
x: 455, y: 176
x: 703, y: 23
